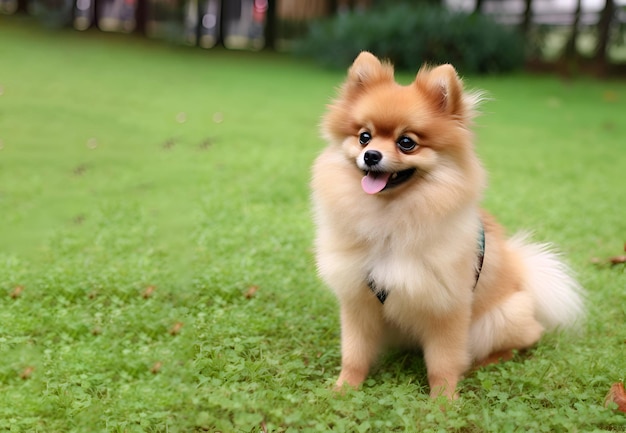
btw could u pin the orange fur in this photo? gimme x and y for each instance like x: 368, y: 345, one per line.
x: 417, y: 238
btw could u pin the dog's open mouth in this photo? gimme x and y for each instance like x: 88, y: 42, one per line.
x: 375, y: 181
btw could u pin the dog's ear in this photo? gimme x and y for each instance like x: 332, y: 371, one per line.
x: 367, y: 70
x: 443, y: 86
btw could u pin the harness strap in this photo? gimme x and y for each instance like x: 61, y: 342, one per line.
x: 380, y: 293
x: 481, y: 253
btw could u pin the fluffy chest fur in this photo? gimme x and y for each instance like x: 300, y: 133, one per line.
x: 423, y: 259
x: 422, y: 274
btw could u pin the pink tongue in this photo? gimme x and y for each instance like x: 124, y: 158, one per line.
x: 374, y: 182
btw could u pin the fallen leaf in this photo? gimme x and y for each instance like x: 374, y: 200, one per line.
x: 617, y: 395
x: 80, y: 169
x: 251, y: 291
x: 17, y: 292
x: 206, y: 143
x: 156, y: 368
x: 175, y: 330
x: 27, y: 373
x: 169, y: 143
x: 617, y: 260
x: 148, y: 292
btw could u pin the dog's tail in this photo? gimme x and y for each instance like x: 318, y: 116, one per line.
x: 559, y: 298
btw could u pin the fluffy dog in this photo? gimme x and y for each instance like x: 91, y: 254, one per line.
x: 403, y: 243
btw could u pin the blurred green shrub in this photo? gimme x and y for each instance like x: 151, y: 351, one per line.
x: 409, y: 35
x: 52, y: 13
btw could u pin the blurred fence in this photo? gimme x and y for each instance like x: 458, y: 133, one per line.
x: 255, y: 24
x: 237, y: 24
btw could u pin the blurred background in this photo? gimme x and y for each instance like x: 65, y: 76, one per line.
x: 479, y: 36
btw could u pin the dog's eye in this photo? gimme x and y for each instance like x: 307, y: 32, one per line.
x: 406, y: 144
x: 365, y: 138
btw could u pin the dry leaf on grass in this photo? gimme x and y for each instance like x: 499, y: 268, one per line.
x: 169, y: 143
x: 612, y: 261
x: 27, y: 373
x: 156, y: 368
x: 80, y: 169
x: 251, y: 291
x: 617, y: 260
x: 148, y: 292
x: 175, y: 330
x: 616, y: 395
x: 17, y: 292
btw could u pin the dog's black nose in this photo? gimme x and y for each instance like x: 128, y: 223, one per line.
x: 372, y: 157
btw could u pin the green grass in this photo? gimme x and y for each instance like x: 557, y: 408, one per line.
x: 107, y: 189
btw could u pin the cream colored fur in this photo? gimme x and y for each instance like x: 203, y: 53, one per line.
x: 418, y: 240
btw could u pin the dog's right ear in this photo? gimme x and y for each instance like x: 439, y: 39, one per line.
x: 367, y: 70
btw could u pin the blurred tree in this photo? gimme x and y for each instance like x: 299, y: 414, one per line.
x: 604, y: 30
x: 527, y: 17
x: 478, y: 6
x: 570, y: 52
x: 270, y: 25
x: 409, y: 2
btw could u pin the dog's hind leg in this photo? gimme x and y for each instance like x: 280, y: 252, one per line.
x: 506, y: 327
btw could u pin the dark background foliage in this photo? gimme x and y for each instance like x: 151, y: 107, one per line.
x: 409, y: 35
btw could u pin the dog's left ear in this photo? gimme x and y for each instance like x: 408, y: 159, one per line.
x: 443, y: 86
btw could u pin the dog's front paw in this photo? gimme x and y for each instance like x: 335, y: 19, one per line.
x: 444, y: 391
x: 351, y: 378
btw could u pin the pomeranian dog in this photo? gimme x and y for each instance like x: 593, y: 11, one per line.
x: 403, y: 243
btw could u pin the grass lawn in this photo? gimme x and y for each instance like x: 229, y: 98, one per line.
x: 156, y: 272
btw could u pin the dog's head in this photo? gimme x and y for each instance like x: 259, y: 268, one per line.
x: 398, y: 135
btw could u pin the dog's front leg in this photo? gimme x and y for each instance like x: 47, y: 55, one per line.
x: 361, y: 338
x: 446, y: 353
